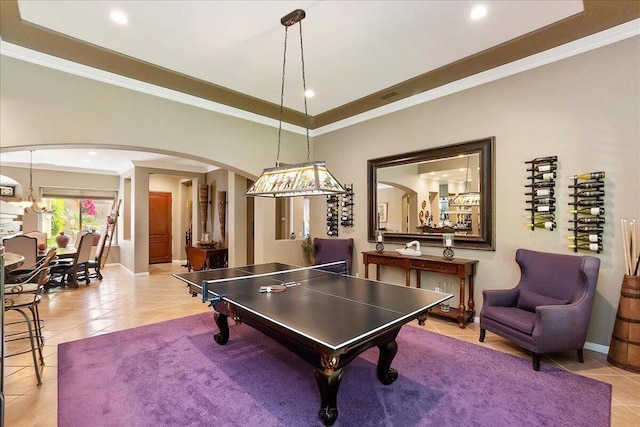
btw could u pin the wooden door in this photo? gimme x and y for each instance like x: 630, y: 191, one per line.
x: 160, y: 227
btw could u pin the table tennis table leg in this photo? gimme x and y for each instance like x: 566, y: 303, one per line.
x: 386, y: 374
x: 223, y: 336
x: 328, y: 381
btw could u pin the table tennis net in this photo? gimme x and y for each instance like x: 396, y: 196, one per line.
x: 277, y: 281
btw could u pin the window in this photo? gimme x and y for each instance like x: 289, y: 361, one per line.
x: 73, y: 210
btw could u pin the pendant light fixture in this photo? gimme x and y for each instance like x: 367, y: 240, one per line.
x: 30, y: 203
x: 302, y: 179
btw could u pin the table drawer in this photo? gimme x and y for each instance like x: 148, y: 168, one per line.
x: 434, y: 266
x: 382, y: 260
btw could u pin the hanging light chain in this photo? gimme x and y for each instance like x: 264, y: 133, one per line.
x: 304, y: 91
x: 284, y: 66
x: 34, y: 205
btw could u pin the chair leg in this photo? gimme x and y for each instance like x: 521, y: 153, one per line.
x: 483, y: 332
x: 33, y: 344
x: 580, y: 356
x: 37, y: 327
x: 536, y: 361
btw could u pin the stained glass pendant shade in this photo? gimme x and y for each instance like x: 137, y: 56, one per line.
x: 303, y: 179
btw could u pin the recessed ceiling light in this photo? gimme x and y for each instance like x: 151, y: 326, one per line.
x: 92, y: 153
x: 478, y: 12
x: 309, y: 93
x: 119, y: 17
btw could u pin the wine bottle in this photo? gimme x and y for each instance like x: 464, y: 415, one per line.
x: 543, y: 200
x: 549, y: 225
x: 589, y: 175
x: 588, y: 211
x: 542, y: 208
x: 541, y: 192
x: 595, y: 247
x: 596, y: 202
x: 545, y: 175
x: 593, y: 238
x: 543, y: 168
x: 542, y: 184
x: 586, y: 185
x: 541, y: 217
x: 594, y: 220
x: 587, y: 229
x: 596, y: 193
x: 547, y: 159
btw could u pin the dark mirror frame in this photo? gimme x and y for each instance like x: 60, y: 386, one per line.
x: 486, y: 148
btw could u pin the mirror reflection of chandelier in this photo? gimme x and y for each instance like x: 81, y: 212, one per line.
x: 303, y: 179
x: 30, y: 204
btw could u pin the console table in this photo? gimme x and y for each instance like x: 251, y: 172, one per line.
x: 463, y: 268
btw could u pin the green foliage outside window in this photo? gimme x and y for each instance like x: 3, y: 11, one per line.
x: 57, y: 221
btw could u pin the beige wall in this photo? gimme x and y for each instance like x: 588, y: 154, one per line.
x: 585, y: 110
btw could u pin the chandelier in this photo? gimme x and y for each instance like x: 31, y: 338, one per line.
x: 30, y: 204
x: 302, y: 179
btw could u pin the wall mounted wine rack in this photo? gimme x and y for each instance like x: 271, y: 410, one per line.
x: 332, y: 215
x: 541, y: 199
x: 340, y: 211
x: 588, y: 212
x: 346, y: 206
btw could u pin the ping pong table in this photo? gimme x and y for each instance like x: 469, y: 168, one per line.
x: 325, y: 318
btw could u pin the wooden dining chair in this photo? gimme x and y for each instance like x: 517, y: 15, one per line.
x: 97, y: 263
x: 28, y: 248
x: 71, y: 274
x: 196, y: 258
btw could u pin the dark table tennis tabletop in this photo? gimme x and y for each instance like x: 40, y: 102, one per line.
x: 331, y: 310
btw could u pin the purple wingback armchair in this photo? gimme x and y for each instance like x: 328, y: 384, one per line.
x: 549, y: 309
x: 331, y: 250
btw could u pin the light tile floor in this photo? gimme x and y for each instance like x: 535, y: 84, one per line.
x: 123, y: 301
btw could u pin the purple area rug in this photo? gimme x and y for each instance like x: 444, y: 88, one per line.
x: 174, y: 374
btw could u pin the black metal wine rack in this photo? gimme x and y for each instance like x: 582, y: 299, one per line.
x: 542, y: 183
x: 346, y: 206
x: 332, y: 215
x: 588, y: 212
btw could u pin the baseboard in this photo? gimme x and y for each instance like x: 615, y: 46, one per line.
x: 596, y: 347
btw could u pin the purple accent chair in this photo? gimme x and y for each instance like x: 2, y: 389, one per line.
x: 549, y: 310
x: 331, y: 250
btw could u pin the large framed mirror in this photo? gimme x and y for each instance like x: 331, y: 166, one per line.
x: 424, y: 194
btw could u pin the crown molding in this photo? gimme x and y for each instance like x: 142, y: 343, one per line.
x: 594, y: 41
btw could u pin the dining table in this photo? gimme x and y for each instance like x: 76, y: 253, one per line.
x: 65, y: 252
x: 12, y: 260
x: 61, y: 253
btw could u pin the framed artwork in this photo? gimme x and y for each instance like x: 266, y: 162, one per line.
x: 382, y: 212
